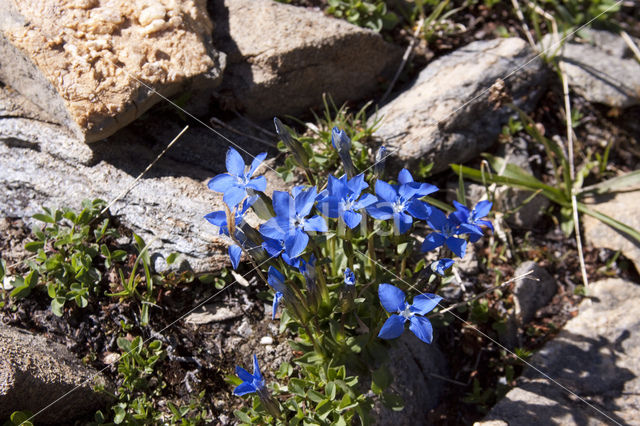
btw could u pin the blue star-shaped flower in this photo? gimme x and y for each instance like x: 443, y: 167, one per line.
x: 394, y: 301
x: 446, y: 228
x: 342, y: 199
x: 349, y: 277
x: 290, y: 224
x: 250, y: 382
x: 440, y: 266
x: 219, y: 219
x: 470, y: 221
x: 235, y: 183
x: 400, y: 202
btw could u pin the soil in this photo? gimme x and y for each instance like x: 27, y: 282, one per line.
x: 200, y: 356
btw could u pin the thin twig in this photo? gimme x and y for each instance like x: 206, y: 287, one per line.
x: 405, y: 58
x: 525, y: 27
x: 632, y: 45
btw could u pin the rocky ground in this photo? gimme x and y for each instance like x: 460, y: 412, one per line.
x: 430, y: 113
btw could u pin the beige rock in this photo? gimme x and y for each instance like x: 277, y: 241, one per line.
x: 622, y: 206
x: 92, y: 63
x: 282, y: 58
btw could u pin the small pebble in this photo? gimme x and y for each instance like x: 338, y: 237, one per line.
x: 266, y: 340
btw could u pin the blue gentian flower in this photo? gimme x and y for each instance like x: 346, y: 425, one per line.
x: 446, y: 228
x: 394, y: 301
x: 400, y: 202
x: 290, y: 224
x: 235, y: 183
x: 349, y: 277
x: 275, y: 248
x: 342, y: 144
x: 219, y: 219
x: 470, y: 221
x: 440, y: 266
x: 342, y: 199
x: 250, y: 382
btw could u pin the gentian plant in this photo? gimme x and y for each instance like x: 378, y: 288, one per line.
x: 334, y: 255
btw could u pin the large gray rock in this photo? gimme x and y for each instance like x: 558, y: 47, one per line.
x: 92, y: 64
x: 282, y: 58
x: 596, y: 355
x: 601, y: 68
x: 622, y: 206
x: 445, y: 115
x: 35, y: 372
x: 414, y: 366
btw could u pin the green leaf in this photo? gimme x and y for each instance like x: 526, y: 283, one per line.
x: 242, y: 416
x: 57, y: 306
x: 44, y: 218
x: 3, y: 268
x: 615, y: 184
x: 21, y: 418
x: 331, y: 390
x: 34, y: 246
x: 315, y: 396
x: 120, y: 413
x: 172, y: 258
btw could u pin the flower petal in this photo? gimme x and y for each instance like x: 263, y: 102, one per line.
x: 276, y: 280
x: 244, y: 375
x: 457, y: 245
x: 256, y: 368
x: 393, y: 327
x: 391, y: 298
x: 259, y: 184
x: 365, y: 201
x: 419, y: 209
x: 402, y: 222
x: 441, y: 265
x: 407, y: 191
x: 234, y: 254
x: 351, y: 218
x: 275, y: 228
x: 235, y: 163
x: 234, y: 195
x: 282, y: 203
x: 217, y: 218
x: 437, y: 219
x: 404, y: 177
x: 304, y: 201
x: 357, y: 185
x: 481, y: 209
x: 432, y: 241
x: 424, y: 303
x: 422, y: 328
x: 244, y: 388
x: 381, y: 211
x: 274, y: 306
x: 315, y: 223
x: 222, y: 183
x: 256, y: 162
x: 296, y: 242
x: 386, y: 191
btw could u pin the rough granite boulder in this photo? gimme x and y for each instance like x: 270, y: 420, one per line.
x: 282, y: 58
x: 35, y: 372
x: 596, y: 356
x: 445, y: 116
x: 91, y: 64
x: 622, y: 206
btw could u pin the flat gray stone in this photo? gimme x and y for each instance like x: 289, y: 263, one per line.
x: 622, y: 206
x: 431, y: 120
x: 282, y: 58
x: 596, y: 356
x: 35, y: 372
x: 601, y: 68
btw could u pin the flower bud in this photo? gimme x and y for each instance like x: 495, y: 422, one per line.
x: 381, y: 159
x: 292, y: 145
x: 342, y: 144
